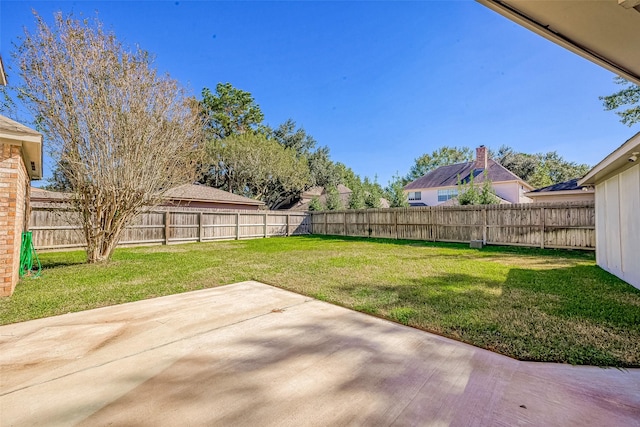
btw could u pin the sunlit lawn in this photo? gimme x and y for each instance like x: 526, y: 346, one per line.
x: 530, y: 304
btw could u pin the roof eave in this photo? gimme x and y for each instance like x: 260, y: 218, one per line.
x: 601, y: 58
x: 234, y: 202
x: 619, y: 160
x: 559, y: 192
x: 31, y: 145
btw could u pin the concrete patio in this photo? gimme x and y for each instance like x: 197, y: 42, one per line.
x: 252, y: 354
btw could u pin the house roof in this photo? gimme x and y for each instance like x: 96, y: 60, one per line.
x: 187, y: 192
x: 616, y: 162
x: 571, y: 185
x: 15, y: 133
x: 46, y: 195
x: 447, y: 176
x: 604, y: 32
x: 203, y: 193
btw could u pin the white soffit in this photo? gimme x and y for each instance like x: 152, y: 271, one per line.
x: 606, y: 32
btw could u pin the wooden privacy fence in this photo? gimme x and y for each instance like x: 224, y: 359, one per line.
x: 59, y: 228
x: 544, y: 225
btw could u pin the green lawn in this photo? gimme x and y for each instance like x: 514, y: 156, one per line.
x: 543, y: 305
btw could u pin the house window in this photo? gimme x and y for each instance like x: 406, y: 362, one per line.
x: 444, y: 195
x: 415, y: 195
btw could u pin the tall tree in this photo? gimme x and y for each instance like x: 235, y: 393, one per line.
x: 443, y: 156
x: 394, y: 192
x: 121, y: 133
x: 540, y: 169
x: 322, y: 169
x: 229, y: 111
x: 522, y: 164
x: 261, y: 168
x: 333, y: 198
x: 294, y: 138
x: 625, y: 102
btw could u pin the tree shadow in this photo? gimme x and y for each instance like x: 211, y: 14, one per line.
x: 342, y: 370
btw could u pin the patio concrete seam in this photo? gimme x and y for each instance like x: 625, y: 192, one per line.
x: 153, y: 348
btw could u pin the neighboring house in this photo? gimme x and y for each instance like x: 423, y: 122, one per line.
x: 617, y: 183
x: 568, y: 191
x: 20, y: 162
x: 344, y: 193
x: 185, y: 196
x: 205, y: 197
x: 41, y: 198
x: 441, y: 184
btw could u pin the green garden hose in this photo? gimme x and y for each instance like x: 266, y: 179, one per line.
x: 27, y: 256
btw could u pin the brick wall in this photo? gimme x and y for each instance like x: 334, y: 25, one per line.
x: 14, y: 187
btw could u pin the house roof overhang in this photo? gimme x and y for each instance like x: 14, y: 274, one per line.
x: 533, y: 195
x: 606, y: 32
x: 28, y: 139
x: 625, y: 157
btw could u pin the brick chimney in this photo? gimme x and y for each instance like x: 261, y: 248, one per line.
x: 481, y: 158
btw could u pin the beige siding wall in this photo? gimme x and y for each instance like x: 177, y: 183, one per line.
x: 509, y: 191
x: 581, y: 196
x: 14, y: 184
x: 618, y: 225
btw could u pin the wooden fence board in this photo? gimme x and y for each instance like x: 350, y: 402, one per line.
x: 59, y: 228
x: 552, y: 225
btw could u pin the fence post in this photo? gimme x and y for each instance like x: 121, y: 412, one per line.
x: 541, y: 228
x: 484, y: 227
x: 395, y: 221
x: 286, y: 233
x: 237, y: 225
x: 368, y: 230
x: 265, y: 226
x: 166, y: 227
x: 344, y: 222
x: 325, y: 222
x: 200, y: 229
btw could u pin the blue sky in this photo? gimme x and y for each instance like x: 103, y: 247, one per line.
x: 380, y: 83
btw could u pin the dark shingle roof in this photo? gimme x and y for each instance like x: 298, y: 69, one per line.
x: 446, y: 176
x: 205, y: 193
x: 187, y: 192
x: 572, y: 184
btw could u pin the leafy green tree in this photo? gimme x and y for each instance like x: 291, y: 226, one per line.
x: 294, y: 138
x: 257, y: 167
x: 229, y: 111
x: 522, y: 164
x: 443, y: 156
x: 372, y: 193
x: 487, y: 193
x: 625, y: 103
x: 333, y: 199
x: 356, y: 198
x: 322, y: 169
x: 315, y: 205
x: 471, y: 194
x: 395, y: 192
x: 347, y: 177
x: 540, y: 169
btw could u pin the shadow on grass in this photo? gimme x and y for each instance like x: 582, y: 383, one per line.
x: 578, y: 314
x: 520, y: 250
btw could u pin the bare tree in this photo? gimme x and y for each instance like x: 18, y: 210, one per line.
x: 121, y: 134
